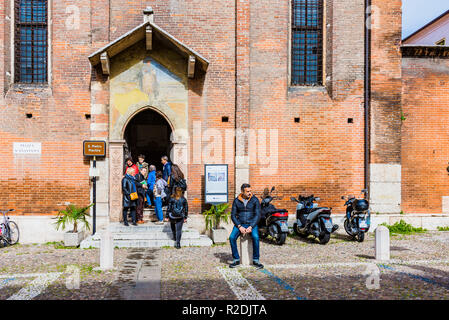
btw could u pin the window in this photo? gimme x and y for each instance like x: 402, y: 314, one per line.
x: 30, y: 41
x: 441, y: 42
x: 307, y: 42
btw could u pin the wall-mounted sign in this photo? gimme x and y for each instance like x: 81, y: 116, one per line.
x: 27, y: 148
x: 94, y: 148
x: 216, y: 183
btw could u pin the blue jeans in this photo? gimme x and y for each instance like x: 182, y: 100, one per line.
x: 233, y: 240
x: 149, y: 195
x: 158, y: 208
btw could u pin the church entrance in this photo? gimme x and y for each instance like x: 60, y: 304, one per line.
x: 148, y: 133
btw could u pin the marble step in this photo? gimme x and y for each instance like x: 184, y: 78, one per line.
x: 202, y: 241
x: 187, y: 234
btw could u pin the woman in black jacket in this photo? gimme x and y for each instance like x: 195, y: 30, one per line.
x: 177, y: 213
x: 128, y: 187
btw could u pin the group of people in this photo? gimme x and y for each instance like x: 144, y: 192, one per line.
x: 143, y: 186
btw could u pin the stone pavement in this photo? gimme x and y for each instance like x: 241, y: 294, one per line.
x: 299, y: 270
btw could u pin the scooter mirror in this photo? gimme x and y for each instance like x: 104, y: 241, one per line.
x: 317, y: 199
x: 293, y: 199
x: 343, y: 197
x: 364, y: 191
x: 11, y: 210
x: 272, y: 189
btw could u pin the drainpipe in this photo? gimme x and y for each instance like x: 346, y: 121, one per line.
x: 367, y: 89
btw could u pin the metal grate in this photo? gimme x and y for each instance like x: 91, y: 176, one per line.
x: 307, y: 42
x: 30, y: 44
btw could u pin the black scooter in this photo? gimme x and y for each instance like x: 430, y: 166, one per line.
x: 358, y: 216
x: 312, y: 220
x: 273, y: 222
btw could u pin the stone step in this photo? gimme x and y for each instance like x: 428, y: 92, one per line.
x: 187, y: 234
x: 202, y: 241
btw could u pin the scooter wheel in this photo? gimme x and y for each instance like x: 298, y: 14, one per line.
x: 324, y: 237
x: 297, y: 232
x: 347, y: 228
x: 360, y: 237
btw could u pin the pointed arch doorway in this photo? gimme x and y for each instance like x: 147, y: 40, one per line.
x: 148, y: 133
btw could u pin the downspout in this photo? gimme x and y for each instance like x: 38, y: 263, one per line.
x: 367, y: 90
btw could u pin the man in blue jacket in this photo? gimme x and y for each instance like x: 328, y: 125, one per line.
x: 166, y: 171
x: 150, y: 181
x: 245, y: 215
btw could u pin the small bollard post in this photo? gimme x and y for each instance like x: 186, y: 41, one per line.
x: 246, y: 249
x: 382, y: 243
x: 106, y: 251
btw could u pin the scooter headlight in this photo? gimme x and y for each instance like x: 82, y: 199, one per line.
x: 300, y: 206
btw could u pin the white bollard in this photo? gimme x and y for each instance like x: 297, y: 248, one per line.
x: 382, y: 243
x: 106, y: 251
x: 246, y: 250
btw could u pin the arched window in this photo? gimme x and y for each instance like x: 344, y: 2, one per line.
x: 307, y: 42
x: 30, y: 41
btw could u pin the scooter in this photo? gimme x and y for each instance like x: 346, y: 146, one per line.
x: 312, y: 220
x: 273, y: 221
x: 358, y: 216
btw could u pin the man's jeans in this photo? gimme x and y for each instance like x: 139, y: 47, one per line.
x: 158, y: 208
x: 233, y: 240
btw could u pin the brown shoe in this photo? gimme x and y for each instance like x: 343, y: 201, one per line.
x: 140, y: 222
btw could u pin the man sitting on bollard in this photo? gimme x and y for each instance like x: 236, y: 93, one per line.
x: 245, y: 215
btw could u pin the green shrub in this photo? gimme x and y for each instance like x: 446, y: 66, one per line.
x: 403, y: 227
x: 443, y: 228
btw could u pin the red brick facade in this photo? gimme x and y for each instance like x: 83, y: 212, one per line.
x: 247, y: 44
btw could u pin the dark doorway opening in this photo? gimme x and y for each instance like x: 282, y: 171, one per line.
x: 148, y: 133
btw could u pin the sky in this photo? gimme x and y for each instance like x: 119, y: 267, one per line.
x: 417, y: 13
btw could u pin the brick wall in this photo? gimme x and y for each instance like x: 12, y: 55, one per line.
x: 323, y: 154
x: 425, y: 149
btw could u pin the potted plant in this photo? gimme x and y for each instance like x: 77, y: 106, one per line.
x: 213, y: 217
x: 75, y: 215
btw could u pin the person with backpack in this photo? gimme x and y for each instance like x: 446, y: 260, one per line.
x: 159, y: 194
x: 177, y: 179
x: 177, y: 213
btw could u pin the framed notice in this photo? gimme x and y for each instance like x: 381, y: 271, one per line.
x: 94, y: 148
x: 216, y: 183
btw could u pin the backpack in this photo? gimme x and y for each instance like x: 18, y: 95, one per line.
x: 182, y: 184
x: 177, y: 210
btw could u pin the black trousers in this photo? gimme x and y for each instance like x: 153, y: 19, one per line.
x: 125, y: 214
x: 176, y: 228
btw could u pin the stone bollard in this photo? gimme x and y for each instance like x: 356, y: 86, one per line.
x: 106, y: 251
x: 382, y: 243
x: 246, y: 249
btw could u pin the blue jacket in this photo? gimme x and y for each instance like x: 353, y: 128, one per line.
x: 245, y: 215
x: 151, y: 180
x: 166, y: 172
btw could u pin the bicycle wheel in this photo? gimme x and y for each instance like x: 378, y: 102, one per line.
x: 12, y: 236
x: 3, y: 242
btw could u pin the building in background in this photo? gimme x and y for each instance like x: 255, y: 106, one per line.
x: 436, y: 32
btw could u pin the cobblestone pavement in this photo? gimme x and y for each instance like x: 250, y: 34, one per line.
x: 300, y: 269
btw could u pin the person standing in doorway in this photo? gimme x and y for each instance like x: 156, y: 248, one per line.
x: 166, y: 171
x: 142, y: 164
x: 141, y: 184
x: 245, y: 215
x: 177, y: 213
x: 129, y: 187
x: 150, y: 182
x: 159, y: 194
x: 130, y: 164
